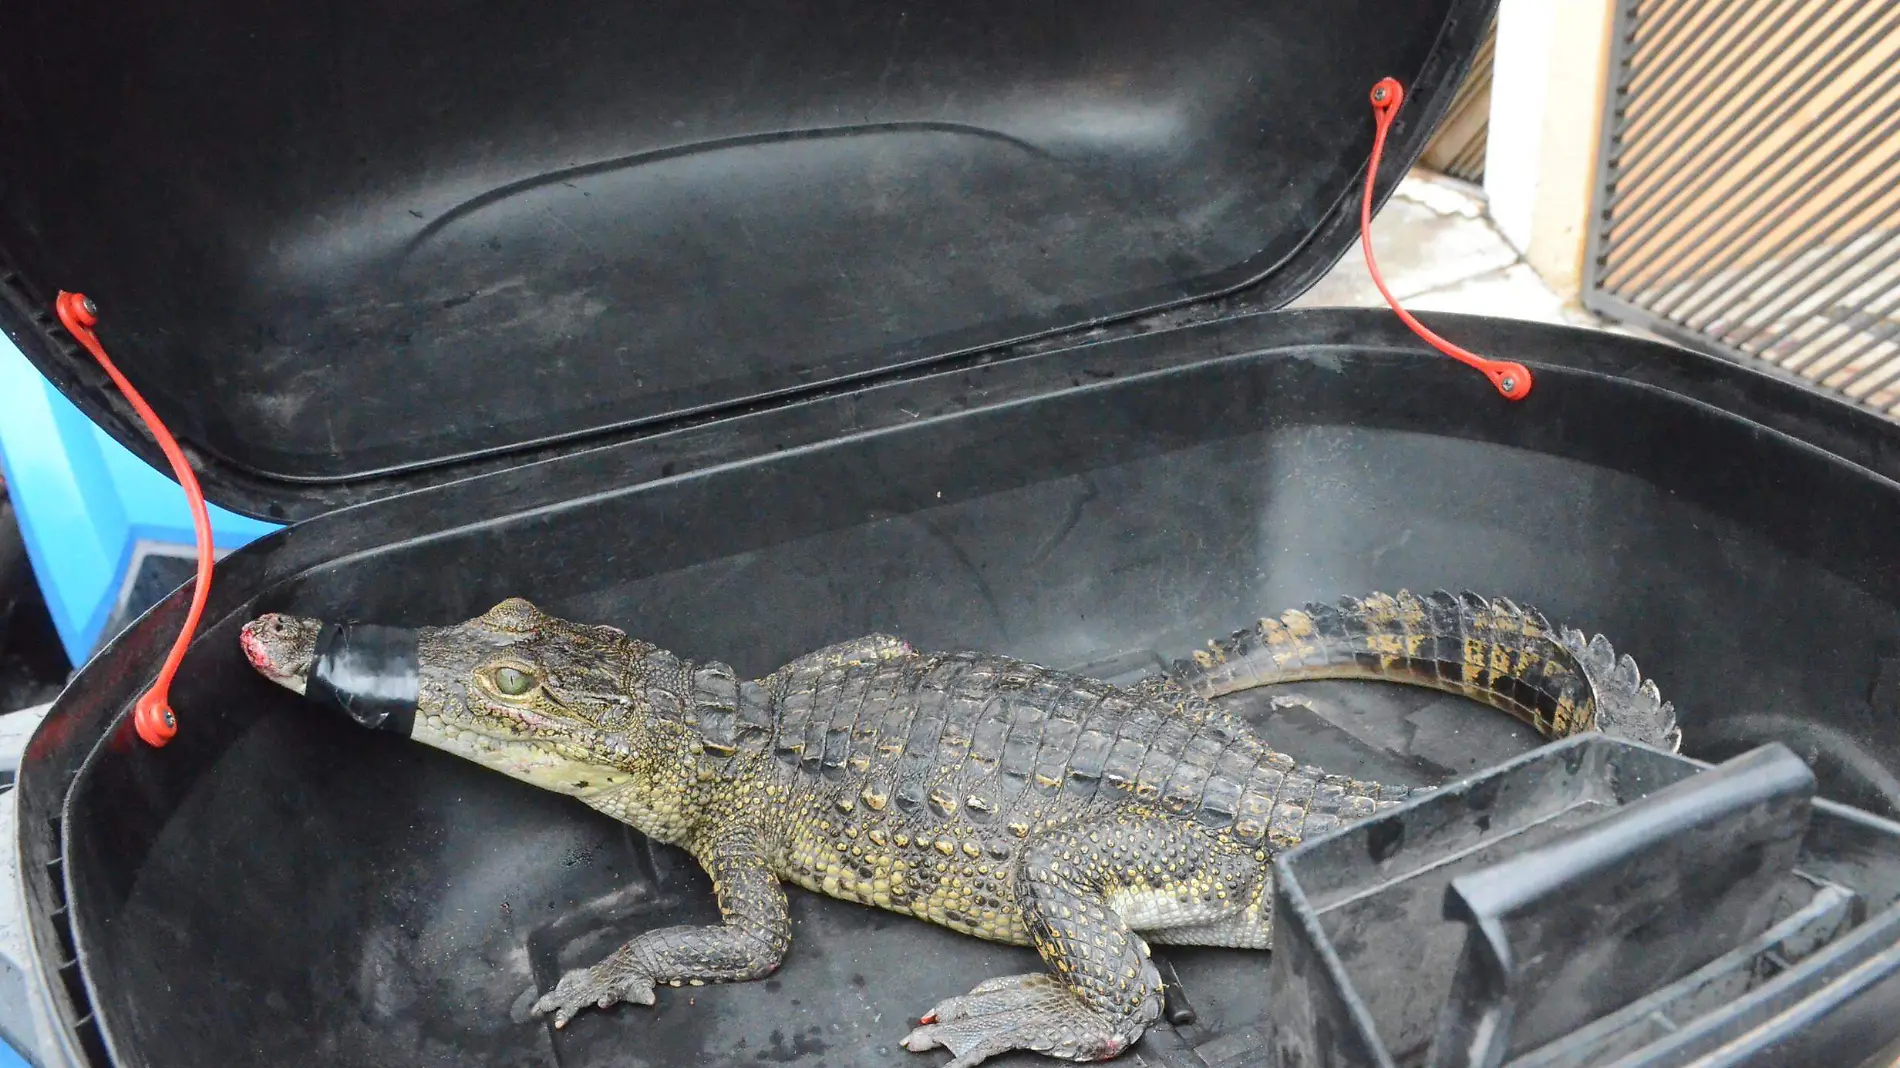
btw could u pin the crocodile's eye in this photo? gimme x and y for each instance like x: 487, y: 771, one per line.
x: 513, y: 682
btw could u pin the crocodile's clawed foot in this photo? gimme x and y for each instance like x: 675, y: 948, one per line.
x: 1029, y: 1012
x: 601, y: 985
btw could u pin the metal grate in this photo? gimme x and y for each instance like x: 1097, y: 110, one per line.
x: 1748, y: 185
x: 1457, y: 147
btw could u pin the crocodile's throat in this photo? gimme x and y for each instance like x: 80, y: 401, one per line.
x: 548, y: 764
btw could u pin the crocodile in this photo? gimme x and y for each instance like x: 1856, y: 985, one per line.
x: 987, y: 794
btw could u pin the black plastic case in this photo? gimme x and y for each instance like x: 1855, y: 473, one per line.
x: 1594, y: 902
x: 752, y: 327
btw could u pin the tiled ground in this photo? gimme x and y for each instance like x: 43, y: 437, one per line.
x: 1440, y: 252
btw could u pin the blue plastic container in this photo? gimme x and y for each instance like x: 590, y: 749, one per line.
x: 87, y: 507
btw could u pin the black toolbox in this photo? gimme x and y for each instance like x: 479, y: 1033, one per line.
x: 752, y: 327
x: 1594, y: 902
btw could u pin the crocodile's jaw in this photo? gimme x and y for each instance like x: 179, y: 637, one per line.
x: 529, y: 761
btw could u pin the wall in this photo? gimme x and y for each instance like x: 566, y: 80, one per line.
x: 1546, y: 100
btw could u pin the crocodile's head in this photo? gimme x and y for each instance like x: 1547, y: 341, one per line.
x: 578, y: 709
x: 282, y: 648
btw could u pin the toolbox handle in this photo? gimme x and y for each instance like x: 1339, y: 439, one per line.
x: 1565, y: 932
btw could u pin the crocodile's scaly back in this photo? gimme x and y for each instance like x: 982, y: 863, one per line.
x: 1492, y: 651
x: 912, y: 781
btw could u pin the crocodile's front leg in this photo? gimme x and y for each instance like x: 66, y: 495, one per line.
x: 1085, y: 887
x: 748, y: 945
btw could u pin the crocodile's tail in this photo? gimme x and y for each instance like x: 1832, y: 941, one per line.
x: 1493, y: 651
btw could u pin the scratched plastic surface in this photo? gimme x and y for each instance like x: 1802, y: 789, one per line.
x: 393, y: 235
x: 374, y: 903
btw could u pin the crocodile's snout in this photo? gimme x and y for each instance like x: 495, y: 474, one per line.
x: 254, y: 650
x: 282, y: 648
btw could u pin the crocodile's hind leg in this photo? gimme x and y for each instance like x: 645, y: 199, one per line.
x: 1085, y: 888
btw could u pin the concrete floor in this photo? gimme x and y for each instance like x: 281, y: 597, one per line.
x: 1439, y: 251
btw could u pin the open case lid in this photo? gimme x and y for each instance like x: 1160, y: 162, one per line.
x: 347, y: 252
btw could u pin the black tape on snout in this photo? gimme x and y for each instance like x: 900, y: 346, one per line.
x: 368, y: 673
